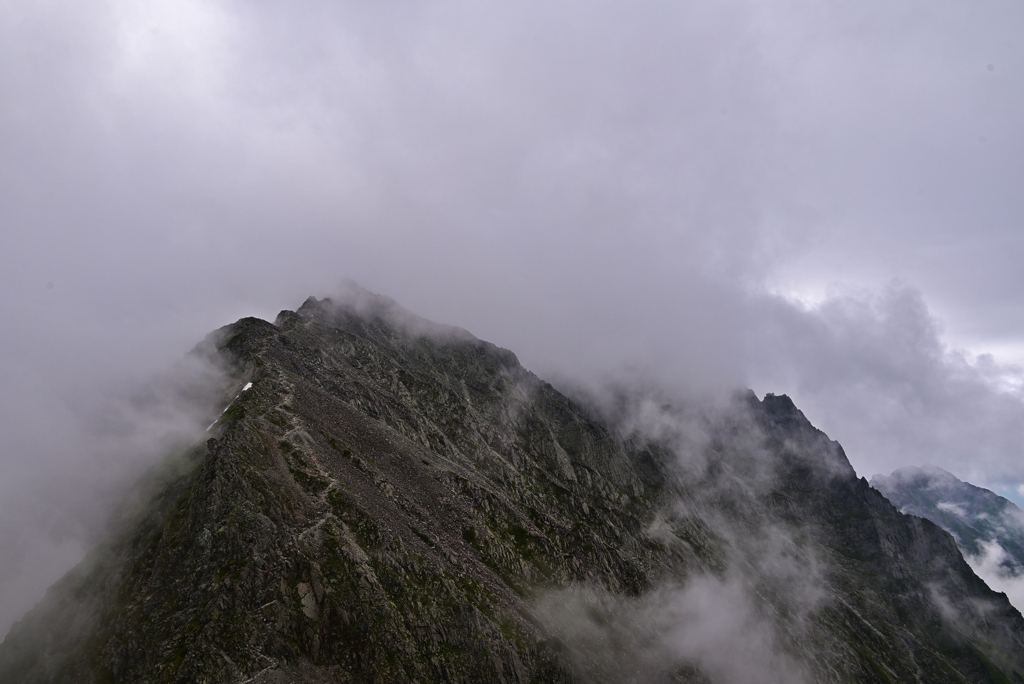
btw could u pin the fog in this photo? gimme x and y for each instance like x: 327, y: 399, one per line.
x: 708, y: 625
x: 989, y: 566
x: 742, y: 606
x: 814, y: 200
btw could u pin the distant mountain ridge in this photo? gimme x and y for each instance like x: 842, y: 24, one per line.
x: 973, y: 515
x: 392, y: 500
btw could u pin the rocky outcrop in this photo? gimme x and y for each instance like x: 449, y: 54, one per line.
x: 392, y: 500
x: 973, y: 515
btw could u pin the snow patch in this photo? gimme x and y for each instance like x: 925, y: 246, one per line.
x: 247, y: 386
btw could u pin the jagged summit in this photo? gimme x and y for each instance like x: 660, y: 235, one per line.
x: 782, y: 408
x: 395, y: 500
x: 358, y: 307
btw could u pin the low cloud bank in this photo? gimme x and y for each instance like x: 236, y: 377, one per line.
x: 741, y: 608
x: 708, y: 625
x: 991, y: 566
x: 56, y: 504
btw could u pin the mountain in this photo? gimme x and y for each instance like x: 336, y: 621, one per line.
x: 973, y: 515
x: 386, y: 499
x: 988, y: 528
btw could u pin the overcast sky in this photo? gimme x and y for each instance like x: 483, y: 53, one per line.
x: 818, y: 199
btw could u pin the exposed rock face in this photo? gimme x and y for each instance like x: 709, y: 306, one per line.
x: 973, y: 515
x: 393, y: 500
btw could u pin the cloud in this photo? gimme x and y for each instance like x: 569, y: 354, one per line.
x: 955, y: 509
x: 708, y: 624
x: 609, y: 190
x: 743, y: 605
x: 57, y: 499
x: 989, y: 566
x: 872, y: 370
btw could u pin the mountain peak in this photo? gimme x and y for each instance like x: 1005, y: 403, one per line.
x: 976, y: 517
x: 396, y: 500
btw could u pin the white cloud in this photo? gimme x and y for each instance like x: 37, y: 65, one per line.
x: 708, y: 623
x: 955, y: 509
x: 988, y: 566
x: 872, y: 369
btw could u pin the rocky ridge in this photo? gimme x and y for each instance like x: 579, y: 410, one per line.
x: 973, y: 515
x: 393, y: 500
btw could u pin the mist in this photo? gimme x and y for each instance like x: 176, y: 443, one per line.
x: 707, y: 625
x: 742, y: 603
x: 990, y: 566
x: 820, y: 201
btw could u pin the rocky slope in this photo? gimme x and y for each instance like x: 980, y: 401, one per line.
x: 973, y: 515
x: 393, y: 500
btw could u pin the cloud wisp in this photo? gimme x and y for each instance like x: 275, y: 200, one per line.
x: 990, y: 566
x: 707, y: 625
x: 742, y: 606
x: 58, y: 506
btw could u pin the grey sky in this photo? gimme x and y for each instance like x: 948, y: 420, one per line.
x: 805, y: 198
